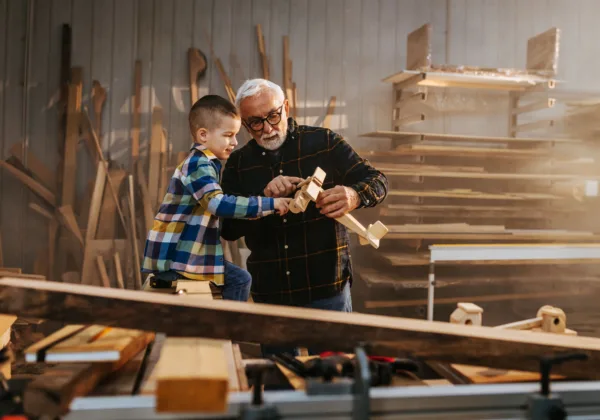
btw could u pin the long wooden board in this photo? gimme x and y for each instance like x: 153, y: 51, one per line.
x: 407, y: 135
x: 323, y: 330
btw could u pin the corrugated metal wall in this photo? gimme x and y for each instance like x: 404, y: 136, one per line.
x: 338, y: 47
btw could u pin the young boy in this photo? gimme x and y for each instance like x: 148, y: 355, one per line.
x: 185, y: 239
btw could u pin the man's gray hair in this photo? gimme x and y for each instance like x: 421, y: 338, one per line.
x: 253, y: 87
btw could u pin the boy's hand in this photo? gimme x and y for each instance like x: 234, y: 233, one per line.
x: 281, y: 186
x: 282, y: 205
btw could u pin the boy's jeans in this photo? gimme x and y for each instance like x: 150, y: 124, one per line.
x: 237, y: 282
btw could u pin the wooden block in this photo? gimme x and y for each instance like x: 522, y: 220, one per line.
x: 191, y: 375
x: 192, y: 287
x: 542, y: 52
x: 418, y: 48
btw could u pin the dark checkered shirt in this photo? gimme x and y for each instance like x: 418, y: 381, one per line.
x: 298, y: 258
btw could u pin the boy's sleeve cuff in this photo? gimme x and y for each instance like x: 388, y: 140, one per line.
x: 267, y: 205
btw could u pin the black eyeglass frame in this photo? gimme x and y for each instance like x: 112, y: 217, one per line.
x: 257, y: 120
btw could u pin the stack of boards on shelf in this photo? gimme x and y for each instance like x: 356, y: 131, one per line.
x: 456, y: 188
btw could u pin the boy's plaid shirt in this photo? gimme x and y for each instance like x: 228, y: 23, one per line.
x: 185, y: 236
x: 299, y: 258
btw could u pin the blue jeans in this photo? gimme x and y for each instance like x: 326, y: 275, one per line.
x: 236, y: 285
x: 340, y: 303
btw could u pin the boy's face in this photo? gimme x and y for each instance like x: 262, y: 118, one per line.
x: 221, y: 139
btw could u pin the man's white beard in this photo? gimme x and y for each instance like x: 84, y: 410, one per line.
x: 273, y: 143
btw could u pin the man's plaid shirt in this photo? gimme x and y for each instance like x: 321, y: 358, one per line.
x: 302, y: 257
x: 185, y: 236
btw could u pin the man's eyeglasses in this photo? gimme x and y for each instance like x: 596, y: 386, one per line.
x: 257, y: 124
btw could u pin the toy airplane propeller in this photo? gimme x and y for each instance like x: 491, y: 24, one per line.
x: 309, y: 190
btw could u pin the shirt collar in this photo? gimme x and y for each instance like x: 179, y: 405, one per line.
x: 203, y: 149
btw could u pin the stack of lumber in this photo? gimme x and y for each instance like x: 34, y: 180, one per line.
x: 183, y: 373
x: 457, y: 188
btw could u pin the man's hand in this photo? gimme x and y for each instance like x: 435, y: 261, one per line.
x: 281, y: 186
x: 337, y: 201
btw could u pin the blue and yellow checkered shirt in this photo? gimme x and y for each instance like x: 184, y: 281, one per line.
x: 185, y: 236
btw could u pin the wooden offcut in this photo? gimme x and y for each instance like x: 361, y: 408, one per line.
x: 542, y: 52
x: 72, y: 138
x: 191, y: 375
x: 291, y: 326
x: 418, y: 48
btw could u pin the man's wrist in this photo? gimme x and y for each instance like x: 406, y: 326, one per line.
x: 355, y: 200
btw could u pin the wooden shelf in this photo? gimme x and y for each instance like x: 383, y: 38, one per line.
x: 480, y: 212
x: 422, y: 259
x: 440, y: 172
x: 507, y: 235
x: 457, y: 151
x: 467, y: 80
x: 477, y: 195
x: 407, y: 135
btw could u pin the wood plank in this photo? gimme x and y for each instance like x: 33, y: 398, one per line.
x: 32, y: 184
x: 44, y: 174
x: 51, y: 393
x: 191, y: 375
x: 542, y: 52
x: 137, y: 104
x: 154, y: 169
x: 70, y: 221
x: 137, y: 274
x: 71, y: 138
x: 94, y: 343
x: 36, y: 352
x: 434, y: 172
x: 107, y: 222
x: 406, y: 135
x: 418, y: 48
x: 422, y: 259
x: 508, y: 236
x: 146, y: 201
x: 457, y: 151
x: 478, y: 195
x: 418, y: 167
x: 95, y: 203
x: 323, y: 330
x: 119, y: 270
x: 102, y: 271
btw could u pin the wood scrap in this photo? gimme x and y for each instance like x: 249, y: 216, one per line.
x: 542, y: 52
x: 191, y: 375
x: 102, y: 271
x: 119, y: 270
x: 197, y: 68
x: 154, y: 168
x: 134, y: 238
x: 31, y: 183
x: 429, y: 340
x: 262, y: 52
x: 91, y: 343
x: 418, y: 48
x: 98, y: 97
x: 43, y: 174
x: 103, y: 161
x: 146, y: 201
x: 107, y: 222
x: 51, y: 393
x: 41, y: 211
x: 72, y: 138
x: 330, y: 112
x: 137, y: 104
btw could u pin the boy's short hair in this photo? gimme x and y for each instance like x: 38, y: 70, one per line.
x: 207, y: 112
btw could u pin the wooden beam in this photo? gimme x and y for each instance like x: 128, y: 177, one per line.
x: 134, y: 238
x: 72, y: 138
x: 70, y: 222
x: 330, y: 112
x: 102, y: 271
x: 154, y: 169
x: 103, y: 161
x: 457, y: 151
x: 119, y: 271
x: 409, y: 137
x: 197, y: 68
x: 146, y: 204
x: 99, y: 97
x: 137, y: 104
x: 262, y: 52
x: 31, y: 183
x: 44, y: 174
x: 291, y: 326
x: 1, y: 253
x: 428, y: 172
x: 469, y: 194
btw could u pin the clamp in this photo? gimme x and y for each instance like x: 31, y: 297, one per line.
x: 545, y: 405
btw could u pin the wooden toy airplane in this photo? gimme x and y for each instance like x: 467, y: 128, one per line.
x: 309, y: 190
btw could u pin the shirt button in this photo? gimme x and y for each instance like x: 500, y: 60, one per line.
x: 284, y: 220
x: 287, y: 272
x: 281, y: 171
x: 264, y: 153
x: 285, y: 246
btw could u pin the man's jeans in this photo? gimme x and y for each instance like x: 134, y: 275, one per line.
x: 341, y: 303
x: 237, y: 282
